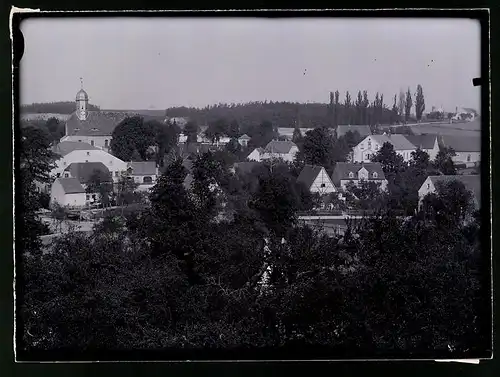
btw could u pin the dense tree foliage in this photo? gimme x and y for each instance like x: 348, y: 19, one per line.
x: 134, y: 136
x: 171, y: 279
x: 36, y: 160
x: 285, y: 114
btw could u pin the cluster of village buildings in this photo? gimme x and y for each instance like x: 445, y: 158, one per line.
x: 85, y: 149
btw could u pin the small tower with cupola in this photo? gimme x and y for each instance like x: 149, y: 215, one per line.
x: 82, y: 101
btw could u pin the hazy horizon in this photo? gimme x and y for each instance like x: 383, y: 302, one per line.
x: 134, y: 63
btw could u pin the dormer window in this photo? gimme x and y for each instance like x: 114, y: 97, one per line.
x: 351, y: 174
x: 94, y: 129
x: 369, y: 144
x: 375, y: 175
x: 77, y: 129
x: 88, y: 153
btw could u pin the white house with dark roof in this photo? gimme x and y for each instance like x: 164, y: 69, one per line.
x: 471, y: 183
x: 285, y: 150
x: 243, y: 140
x: 145, y: 173
x: 316, y: 179
x: 370, y: 145
x: 92, y: 127
x: 427, y: 143
x: 345, y: 172
x: 74, y: 152
x: 467, y: 148
x: 83, y: 171
x: 67, y: 192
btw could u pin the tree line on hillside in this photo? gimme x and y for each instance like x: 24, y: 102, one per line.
x: 345, y: 110
x: 60, y: 107
x: 175, y: 277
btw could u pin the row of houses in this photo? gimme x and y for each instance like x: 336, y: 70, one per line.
x: 316, y: 179
x: 79, y: 161
x: 467, y: 149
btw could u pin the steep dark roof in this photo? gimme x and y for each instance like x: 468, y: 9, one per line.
x: 342, y: 170
x: 97, y: 123
x: 65, y: 147
x: 71, y: 185
x: 143, y: 167
x: 422, y: 141
x: 309, y: 174
x: 279, y: 147
x: 84, y: 170
x: 471, y: 182
x: 363, y: 130
x: 461, y: 143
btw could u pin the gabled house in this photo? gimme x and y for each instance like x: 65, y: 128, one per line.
x: 83, y: 172
x: 363, y: 130
x: 316, y: 179
x: 256, y: 155
x: 427, y: 143
x: 145, y: 173
x: 345, y: 172
x: 243, y: 140
x: 467, y: 148
x: 471, y: 183
x: 285, y: 150
x: 76, y: 152
x: 369, y: 146
x: 67, y: 192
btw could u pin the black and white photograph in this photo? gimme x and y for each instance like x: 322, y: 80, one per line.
x: 251, y: 188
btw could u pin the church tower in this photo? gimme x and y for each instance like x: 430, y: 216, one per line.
x: 82, y: 101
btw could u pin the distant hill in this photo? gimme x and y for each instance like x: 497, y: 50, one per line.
x: 62, y: 107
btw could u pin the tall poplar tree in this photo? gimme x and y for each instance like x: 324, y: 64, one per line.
x: 408, y: 105
x: 419, y: 102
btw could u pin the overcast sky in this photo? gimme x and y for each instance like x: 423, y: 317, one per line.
x: 158, y: 63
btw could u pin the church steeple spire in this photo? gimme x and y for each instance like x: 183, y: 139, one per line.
x: 82, y: 100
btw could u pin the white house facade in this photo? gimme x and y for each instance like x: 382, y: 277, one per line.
x: 316, y: 179
x: 114, y: 164
x: 67, y: 192
x: 370, y: 145
x: 345, y: 172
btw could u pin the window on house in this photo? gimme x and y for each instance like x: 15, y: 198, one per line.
x: 351, y: 174
x: 58, y: 175
x: 64, y: 163
x: 116, y: 173
x: 106, y: 143
x: 428, y: 185
x: 468, y: 158
x: 147, y: 179
x: 369, y: 144
x: 79, y: 141
x: 87, y: 197
x: 362, y: 146
x: 86, y: 160
x: 93, y: 196
x: 323, y: 185
x: 92, y: 142
x: 66, y: 175
x: 375, y: 175
x: 88, y: 153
